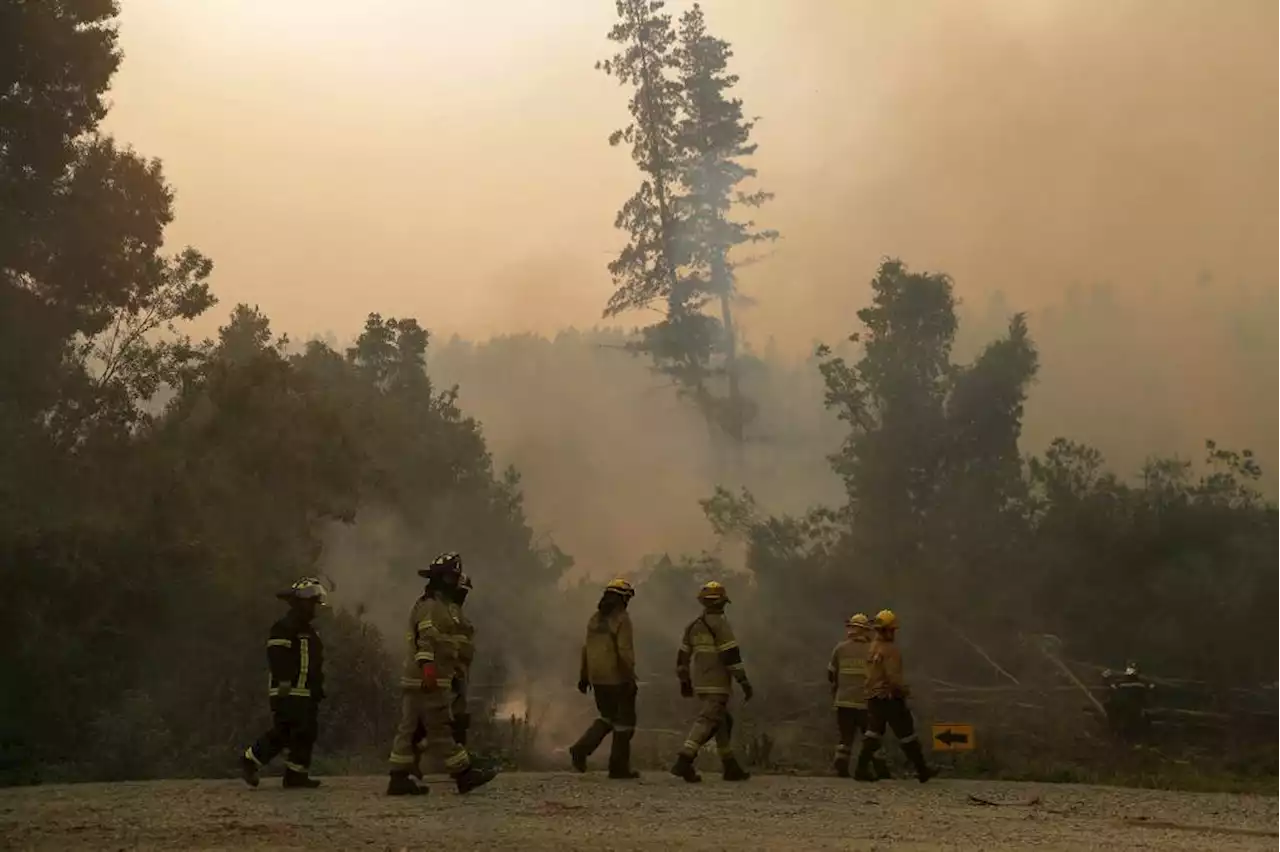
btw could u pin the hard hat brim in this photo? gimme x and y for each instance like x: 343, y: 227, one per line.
x: 291, y: 595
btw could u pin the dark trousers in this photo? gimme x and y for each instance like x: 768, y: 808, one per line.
x: 616, y: 706
x: 891, y: 713
x: 294, y: 726
x: 850, y: 721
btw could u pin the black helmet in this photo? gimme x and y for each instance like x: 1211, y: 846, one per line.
x: 306, y: 589
x: 445, y: 566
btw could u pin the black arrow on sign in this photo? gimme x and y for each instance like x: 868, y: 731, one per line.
x: 950, y: 737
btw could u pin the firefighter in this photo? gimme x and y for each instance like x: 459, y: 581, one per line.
x: 427, y: 684
x: 608, y: 668
x: 1128, y: 696
x: 466, y: 653
x: 295, y: 657
x: 847, y: 674
x: 708, y: 662
x: 887, y: 694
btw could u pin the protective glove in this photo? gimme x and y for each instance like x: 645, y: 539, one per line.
x: 686, y: 689
x: 429, y: 676
x: 584, y: 686
x: 747, y: 690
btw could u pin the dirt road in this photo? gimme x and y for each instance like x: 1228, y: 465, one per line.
x: 544, y: 812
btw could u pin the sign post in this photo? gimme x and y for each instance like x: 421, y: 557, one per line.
x: 952, y: 736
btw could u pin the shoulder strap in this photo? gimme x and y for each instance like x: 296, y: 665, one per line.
x: 705, y: 623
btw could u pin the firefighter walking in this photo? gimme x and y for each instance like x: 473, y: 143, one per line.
x: 434, y: 637
x: 707, y: 664
x: 887, y: 694
x: 466, y: 653
x: 608, y: 668
x: 295, y: 657
x: 847, y: 674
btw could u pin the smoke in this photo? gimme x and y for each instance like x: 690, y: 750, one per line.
x: 367, y: 562
x: 613, y: 464
x: 1105, y: 165
x: 361, y: 559
x: 1023, y: 146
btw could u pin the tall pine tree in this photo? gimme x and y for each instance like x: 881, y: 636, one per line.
x: 647, y: 269
x: 686, y: 136
x: 714, y: 137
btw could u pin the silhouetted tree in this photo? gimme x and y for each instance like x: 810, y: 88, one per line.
x: 715, y: 137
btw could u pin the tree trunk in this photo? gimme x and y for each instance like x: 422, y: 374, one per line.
x: 736, y: 427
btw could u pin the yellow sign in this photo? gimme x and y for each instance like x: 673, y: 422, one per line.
x: 952, y: 737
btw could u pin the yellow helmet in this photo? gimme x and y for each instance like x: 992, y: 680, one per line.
x: 621, y: 587
x: 858, y: 621
x: 713, y: 592
x: 886, y: 620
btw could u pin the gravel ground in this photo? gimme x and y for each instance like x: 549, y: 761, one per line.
x: 550, y: 811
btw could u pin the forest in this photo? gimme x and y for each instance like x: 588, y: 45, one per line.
x: 156, y: 489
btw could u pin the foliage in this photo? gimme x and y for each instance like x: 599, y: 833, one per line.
x: 142, y: 543
x: 645, y: 270
x: 948, y: 523
x: 715, y: 137
x: 687, y: 136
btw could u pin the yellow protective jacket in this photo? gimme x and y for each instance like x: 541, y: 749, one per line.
x: 608, y: 654
x: 884, y: 671
x: 467, y: 642
x: 709, y: 656
x: 847, y: 673
x: 435, y: 635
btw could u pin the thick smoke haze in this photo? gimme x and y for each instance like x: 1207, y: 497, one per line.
x: 1106, y: 166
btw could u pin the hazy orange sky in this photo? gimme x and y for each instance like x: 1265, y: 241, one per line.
x: 448, y: 159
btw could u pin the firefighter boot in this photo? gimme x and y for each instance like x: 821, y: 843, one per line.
x: 299, y: 781
x: 588, y: 743
x: 862, y: 772
x: 620, y: 757
x: 402, y: 785
x: 913, y: 752
x: 684, y: 769
x: 249, y: 770
x: 881, y: 767
x: 842, y: 766
x: 473, y: 777
x: 732, y: 770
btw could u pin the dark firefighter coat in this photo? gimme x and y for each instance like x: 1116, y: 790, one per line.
x: 295, y: 656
